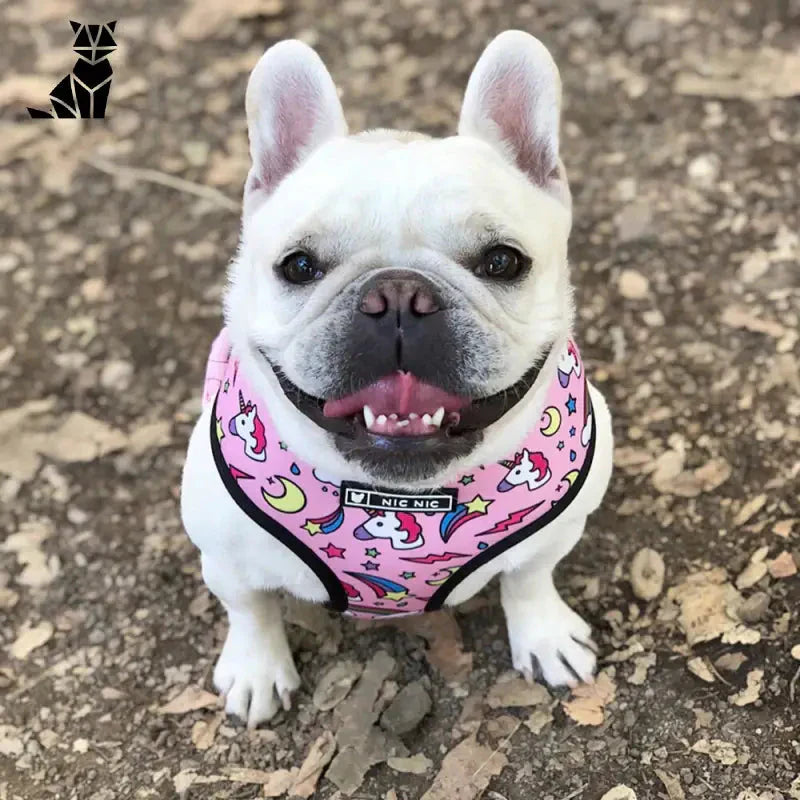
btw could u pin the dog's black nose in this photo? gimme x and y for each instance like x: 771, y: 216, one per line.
x: 403, y: 294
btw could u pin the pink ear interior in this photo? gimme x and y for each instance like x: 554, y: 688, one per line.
x: 508, y: 104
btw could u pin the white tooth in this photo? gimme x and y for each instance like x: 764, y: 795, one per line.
x: 381, y: 419
x: 369, y: 417
x: 426, y: 418
x: 412, y: 415
x: 392, y: 416
x: 438, y: 417
x: 403, y: 423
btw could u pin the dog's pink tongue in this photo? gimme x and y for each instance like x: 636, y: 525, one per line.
x: 400, y: 393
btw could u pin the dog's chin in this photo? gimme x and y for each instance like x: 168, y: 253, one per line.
x: 412, y: 446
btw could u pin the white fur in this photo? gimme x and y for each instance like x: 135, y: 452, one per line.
x: 376, y: 201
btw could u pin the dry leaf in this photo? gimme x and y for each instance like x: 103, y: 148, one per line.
x: 704, y: 600
x: 746, y: 74
x: 539, y: 720
x: 205, y: 18
x: 783, y: 528
x: 204, y: 731
x: 189, y: 699
x: 647, y: 574
x: 717, y: 750
x: 279, y: 782
x: 418, y: 764
x: 741, y: 634
x: 445, y: 647
x: 641, y: 665
x: 699, y: 667
x: 319, y: 756
x: 515, y: 692
x: 335, y: 684
x: 707, y: 478
x: 590, y: 699
x: 782, y: 566
x: 466, y: 771
x: 751, y: 692
x: 620, y: 792
x: 29, y: 638
x: 672, y: 784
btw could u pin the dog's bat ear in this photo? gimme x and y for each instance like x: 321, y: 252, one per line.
x: 111, y: 25
x: 76, y: 26
x: 513, y: 101
x: 292, y: 108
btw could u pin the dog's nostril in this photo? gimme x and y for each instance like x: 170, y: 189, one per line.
x: 400, y: 296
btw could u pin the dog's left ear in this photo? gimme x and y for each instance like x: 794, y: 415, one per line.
x: 292, y: 108
x: 513, y: 101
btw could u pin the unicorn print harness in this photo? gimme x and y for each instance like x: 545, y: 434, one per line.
x: 381, y: 552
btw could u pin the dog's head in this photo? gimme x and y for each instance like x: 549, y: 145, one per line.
x: 395, y: 296
x: 93, y: 43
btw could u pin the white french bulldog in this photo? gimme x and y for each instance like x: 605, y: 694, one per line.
x: 400, y: 306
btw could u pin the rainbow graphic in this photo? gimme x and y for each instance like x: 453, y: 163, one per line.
x: 461, y: 515
x: 329, y: 523
x: 383, y: 587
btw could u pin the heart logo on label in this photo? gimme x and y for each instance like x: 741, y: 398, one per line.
x: 357, y: 497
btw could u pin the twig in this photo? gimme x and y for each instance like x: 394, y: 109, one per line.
x: 163, y: 179
x: 577, y: 792
x: 793, y: 684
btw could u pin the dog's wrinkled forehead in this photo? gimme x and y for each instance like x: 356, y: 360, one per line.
x: 395, y: 192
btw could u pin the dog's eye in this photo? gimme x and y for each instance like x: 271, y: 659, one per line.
x: 301, y: 267
x: 500, y: 263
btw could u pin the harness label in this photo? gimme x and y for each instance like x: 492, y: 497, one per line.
x: 355, y: 496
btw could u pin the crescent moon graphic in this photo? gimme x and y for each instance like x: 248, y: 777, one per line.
x: 553, y: 421
x: 291, y: 501
x: 570, y: 476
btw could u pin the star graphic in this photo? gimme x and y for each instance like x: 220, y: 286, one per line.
x: 560, y: 444
x: 226, y: 386
x: 220, y: 432
x: 311, y: 527
x: 372, y: 552
x: 478, y: 505
x: 395, y: 595
x: 572, y: 455
x: 466, y: 480
x: 570, y: 405
x: 332, y: 551
x: 408, y: 575
x: 369, y: 566
x: 572, y: 431
x: 283, y: 445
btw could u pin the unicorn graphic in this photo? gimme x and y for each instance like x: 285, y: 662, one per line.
x: 400, y: 527
x: 250, y: 429
x: 567, y: 364
x: 532, y: 469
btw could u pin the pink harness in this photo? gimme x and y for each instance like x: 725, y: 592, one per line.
x: 387, y: 553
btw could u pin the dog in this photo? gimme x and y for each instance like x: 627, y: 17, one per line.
x: 84, y: 92
x: 400, y: 314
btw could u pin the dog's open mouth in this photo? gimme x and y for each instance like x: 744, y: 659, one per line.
x: 403, y: 408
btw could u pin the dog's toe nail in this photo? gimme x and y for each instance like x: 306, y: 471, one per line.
x: 286, y: 700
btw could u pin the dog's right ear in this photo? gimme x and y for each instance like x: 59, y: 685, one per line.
x: 292, y: 108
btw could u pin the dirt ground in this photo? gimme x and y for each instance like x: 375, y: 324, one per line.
x: 681, y: 136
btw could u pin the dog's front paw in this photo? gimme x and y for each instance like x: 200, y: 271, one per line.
x: 254, y: 676
x: 552, y: 643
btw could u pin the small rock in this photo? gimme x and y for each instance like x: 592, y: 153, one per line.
x: 698, y: 666
x: 633, y: 221
x: 642, y: 31
x: 782, y: 566
x: 117, y: 375
x: 647, y: 574
x: 633, y: 285
x: 516, y: 692
x: 751, y: 575
x: 407, y: 709
x: 796, y: 652
x: 704, y: 169
x: 730, y: 662
x: 754, y: 608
